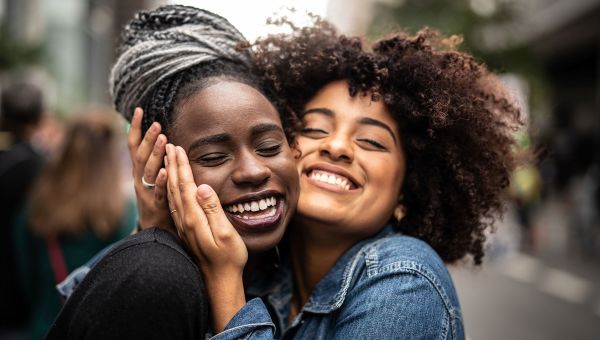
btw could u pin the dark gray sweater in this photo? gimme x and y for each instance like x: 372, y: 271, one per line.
x: 147, y: 287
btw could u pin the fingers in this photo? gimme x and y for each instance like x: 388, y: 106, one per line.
x: 160, y: 190
x: 194, y: 216
x: 173, y: 181
x: 135, y: 131
x: 141, y: 151
x: 155, y: 160
x: 220, y: 226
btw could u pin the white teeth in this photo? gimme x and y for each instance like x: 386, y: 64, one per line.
x: 253, y: 206
x: 331, y: 179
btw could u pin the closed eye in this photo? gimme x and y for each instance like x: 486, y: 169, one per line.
x: 212, y: 159
x: 269, y: 150
x: 313, y: 132
x: 373, y: 143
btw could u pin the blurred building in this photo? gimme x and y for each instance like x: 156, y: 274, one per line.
x: 77, y: 39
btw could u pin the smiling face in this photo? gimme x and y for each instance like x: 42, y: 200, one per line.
x: 352, y: 164
x: 235, y: 143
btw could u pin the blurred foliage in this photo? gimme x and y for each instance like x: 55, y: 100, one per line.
x: 15, y: 54
x: 468, y: 18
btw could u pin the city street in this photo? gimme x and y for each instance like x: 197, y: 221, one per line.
x: 552, y: 295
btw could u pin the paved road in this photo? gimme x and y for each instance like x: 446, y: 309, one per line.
x: 554, y: 294
x: 499, y: 304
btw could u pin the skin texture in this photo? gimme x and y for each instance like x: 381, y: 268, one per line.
x: 243, y: 160
x: 356, y: 138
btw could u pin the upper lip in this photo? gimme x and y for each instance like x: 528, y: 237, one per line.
x: 333, y: 169
x: 255, y: 196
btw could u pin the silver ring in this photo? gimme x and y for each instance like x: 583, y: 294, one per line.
x: 146, y: 184
x: 173, y: 211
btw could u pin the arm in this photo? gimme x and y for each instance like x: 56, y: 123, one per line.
x: 218, y: 248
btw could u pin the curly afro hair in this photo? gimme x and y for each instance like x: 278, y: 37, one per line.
x: 456, y: 121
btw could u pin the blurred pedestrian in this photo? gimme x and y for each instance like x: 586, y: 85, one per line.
x: 76, y: 208
x: 21, y: 109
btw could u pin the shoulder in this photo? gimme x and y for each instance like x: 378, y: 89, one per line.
x: 146, y: 285
x: 402, y: 263
x: 150, y: 258
x: 397, y: 251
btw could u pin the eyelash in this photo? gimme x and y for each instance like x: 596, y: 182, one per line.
x: 308, y: 130
x: 212, y: 159
x: 373, y: 142
x: 270, y: 150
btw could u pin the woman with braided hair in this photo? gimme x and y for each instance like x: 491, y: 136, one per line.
x: 187, y: 69
x: 404, y: 151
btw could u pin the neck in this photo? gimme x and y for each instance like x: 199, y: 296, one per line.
x: 313, y: 254
x: 258, y: 264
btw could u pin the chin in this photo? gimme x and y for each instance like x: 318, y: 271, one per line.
x: 262, y: 242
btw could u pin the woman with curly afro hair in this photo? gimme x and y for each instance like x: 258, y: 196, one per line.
x: 405, y: 148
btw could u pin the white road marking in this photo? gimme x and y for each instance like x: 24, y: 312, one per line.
x: 522, y: 268
x: 564, y: 285
x: 597, y: 308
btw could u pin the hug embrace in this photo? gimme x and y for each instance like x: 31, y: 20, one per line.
x: 307, y: 186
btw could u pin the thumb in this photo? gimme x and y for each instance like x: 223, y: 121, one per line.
x: 210, y: 204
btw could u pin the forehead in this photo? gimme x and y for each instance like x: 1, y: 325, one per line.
x: 336, y: 97
x: 224, y: 106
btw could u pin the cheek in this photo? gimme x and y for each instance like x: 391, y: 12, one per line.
x: 215, y: 177
x: 386, y: 174
x: 285, y: 166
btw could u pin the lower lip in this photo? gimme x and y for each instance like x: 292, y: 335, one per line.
x: 261, y: 224
x: 327, y: 186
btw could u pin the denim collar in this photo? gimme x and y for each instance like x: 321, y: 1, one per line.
x: 329, y: 294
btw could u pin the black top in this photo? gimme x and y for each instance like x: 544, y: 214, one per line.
x: 147, y: 287
x: 19, y: 166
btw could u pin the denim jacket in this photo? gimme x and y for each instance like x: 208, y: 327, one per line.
x: 387, y: 287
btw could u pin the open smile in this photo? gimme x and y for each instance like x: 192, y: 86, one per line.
x: 331, y: 178
x: 256, y: 212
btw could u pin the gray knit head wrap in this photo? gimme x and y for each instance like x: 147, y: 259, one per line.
x: 162, y: 42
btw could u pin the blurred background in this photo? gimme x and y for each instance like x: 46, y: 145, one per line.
x: 541, y: 276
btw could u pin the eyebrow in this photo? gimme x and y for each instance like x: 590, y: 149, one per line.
x: 363, y: 120
x: 265, y: 127
x: 320, y: 110
x: 375, y: 122
x: 212, y: 139
x: 223, y: 137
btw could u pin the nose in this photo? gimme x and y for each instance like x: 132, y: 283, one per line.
x: 337, y: 147
x: 250, y: 170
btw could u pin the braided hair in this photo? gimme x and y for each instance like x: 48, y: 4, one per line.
x: 170, y: 53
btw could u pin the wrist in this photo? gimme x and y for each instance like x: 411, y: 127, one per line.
x: 226, y: 297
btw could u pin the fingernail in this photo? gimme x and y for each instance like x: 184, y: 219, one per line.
x: 166, y: 161
x: 204, y: 191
